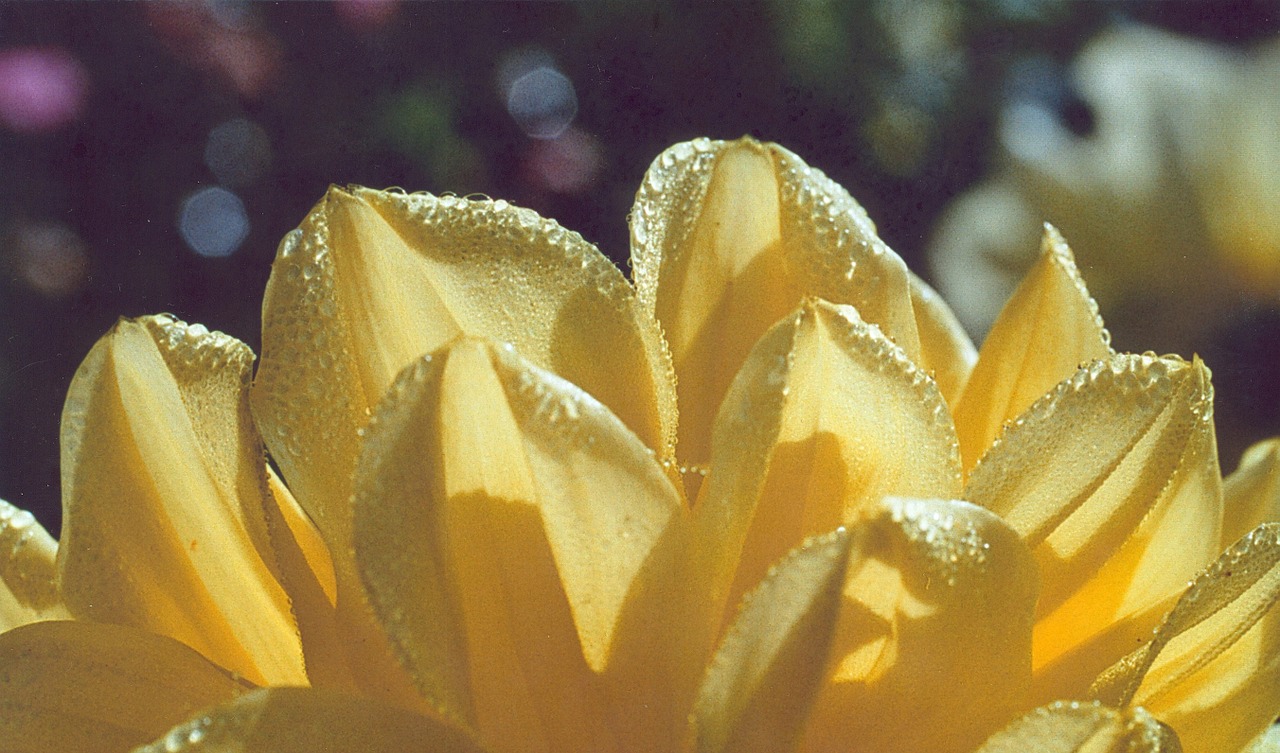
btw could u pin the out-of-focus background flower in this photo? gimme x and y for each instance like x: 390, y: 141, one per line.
x: 153, y: 155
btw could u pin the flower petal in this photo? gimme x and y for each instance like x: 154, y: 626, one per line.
x: 163, y: 490
x: 371, y: 281
x: 1251, y: 495
x: 729, y: 237
x: 1047, y: 329
x: 946, y: 352
x: 826, y: 417
x: 285, y: 720
x: 1072, y: 727
x: 28, y: 580
x: 933, y: 648
x: 1212, y: 669
x: 88, y: 686
x: 523, y: 550
x: 770, y: 666
x: 1112, y: 479
x: 306, y: 570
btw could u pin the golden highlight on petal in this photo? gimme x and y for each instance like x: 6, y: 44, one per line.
x: 933, y: 646
x: 826, y: 417
x: 524, y: 551
x: 1212, y: 669
x: 160, y: 470
x: 1113, y: 481
x: 772, y: 662
x: 1048, y: 328
x: 1074, y: 727
x: 729, y: 237
x: 28, y: 580
x: 72, y: 686
x: 298, y: 720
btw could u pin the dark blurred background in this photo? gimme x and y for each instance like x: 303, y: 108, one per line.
x: 152, y: 155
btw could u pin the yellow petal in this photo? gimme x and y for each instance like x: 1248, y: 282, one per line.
x: 826, y: 417
x: 371, y: 281
x: 1251, y: 495
x: 1048, y: 328
x: 729, y: 237
x: 305, y: 537
x: 946, y: 352
x: 306, y: 570
x: 758, y: 690
x: 1113, y: 481
x: 523, y: 550
x: 1212, y: 669
x: 28, y: 580
x: 933, y: 648
x: 301, y: 720
x: 72, y: 686
x: 162, y: 477
x: 1073, y: 727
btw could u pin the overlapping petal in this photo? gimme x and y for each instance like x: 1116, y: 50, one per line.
x: 728, y: 238
x: 1047, y: 329
x: 71, y: 686
x: 524, y: 551
x: 826, y: 417
x: 932, y: 650
x: 28, y: 578
x: 164, y: 489
x: 1074, y: 727
x: 372, y: 280
x: 1113, y: 481
x: 483, y: 545
x: 1212, y: 669
x: 298, y: 720
x: 768, y: 670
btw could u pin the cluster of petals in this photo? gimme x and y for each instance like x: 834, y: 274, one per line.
x: 485, y: 526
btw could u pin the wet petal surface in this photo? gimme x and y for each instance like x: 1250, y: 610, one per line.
x: 729, y: 237
x: 771, y: 664
x: 86, y: 686
x: 1073, y: 727
x: 28, y: 579
x: 298, y: 720
x: 1212, y: 669
x: 933, y: 646
x: 524, y: 551
x: 1112, y: 480
x: 826, y: 418
x: 163, y: 495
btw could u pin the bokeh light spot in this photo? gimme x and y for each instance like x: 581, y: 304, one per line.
x: 41, y: 88
x: 567, y: 164
x: 50, y: 258
x: 213, y: 222
x: 543, y: 102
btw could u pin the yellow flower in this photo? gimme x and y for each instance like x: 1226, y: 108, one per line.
x: 857, y: 534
